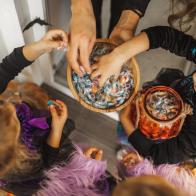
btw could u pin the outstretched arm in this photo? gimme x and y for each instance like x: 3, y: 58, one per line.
x: 159, y: 36
x: 82, y: 35
x: 21, y: 57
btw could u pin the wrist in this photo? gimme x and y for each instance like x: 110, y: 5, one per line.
x: 32, y: 51
x: 120, y: 53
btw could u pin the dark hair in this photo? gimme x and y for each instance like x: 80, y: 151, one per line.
x: 186, y: 14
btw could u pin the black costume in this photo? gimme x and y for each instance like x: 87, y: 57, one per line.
x: 117, y: 6
x: 183, y: 146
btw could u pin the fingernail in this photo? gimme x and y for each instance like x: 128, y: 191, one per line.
x: 82, y: 69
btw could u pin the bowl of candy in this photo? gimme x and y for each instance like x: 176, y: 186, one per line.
x: 160, y: 112
x: 115, y: 94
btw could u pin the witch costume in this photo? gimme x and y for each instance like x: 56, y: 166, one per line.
x: 35, y: 127
x: 183, y: 146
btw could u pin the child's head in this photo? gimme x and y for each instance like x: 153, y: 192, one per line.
x: 9, y: 134
x: 145, y: 185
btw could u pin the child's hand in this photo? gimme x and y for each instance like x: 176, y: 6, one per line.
x: 131, y: 159
x: 54, y: 39
x: 107, y: 66
x: 94, y: 153
x: 59, y: 116
x: 187, y: 110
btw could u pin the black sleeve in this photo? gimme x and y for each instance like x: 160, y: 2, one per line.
x: 176, y: 149
x: 11, y: 66
x: 138, y: 6
x: 171, y: 151
x: 173, y: 40
x: 50, y: 155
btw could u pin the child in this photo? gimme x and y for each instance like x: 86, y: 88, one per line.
x: 183, y: 146
x: 181, y: 176
x: 159, y: 36
x: 23, y: 56
x: 85, y: 174
x: 28, y: 143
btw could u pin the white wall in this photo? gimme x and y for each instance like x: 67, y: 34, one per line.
x: 10, y: 32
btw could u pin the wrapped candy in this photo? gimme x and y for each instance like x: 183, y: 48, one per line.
x: 160, y: 113
x: 115, y: 91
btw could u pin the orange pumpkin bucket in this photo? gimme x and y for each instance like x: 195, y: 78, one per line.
x: 160, y: 112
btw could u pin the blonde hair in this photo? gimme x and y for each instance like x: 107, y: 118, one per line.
x: 9, y: 131
x: 14, y: 156
x: 149, y: 185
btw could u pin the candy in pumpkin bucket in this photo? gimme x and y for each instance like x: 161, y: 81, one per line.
x: 160, y: 112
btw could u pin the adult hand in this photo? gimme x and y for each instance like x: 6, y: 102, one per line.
x: 94, y: 153
x: 125, y: 28
x: 82, y: 35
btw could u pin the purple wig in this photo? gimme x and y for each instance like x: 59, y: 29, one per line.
x: 80, y: 176
x: 176, y: 175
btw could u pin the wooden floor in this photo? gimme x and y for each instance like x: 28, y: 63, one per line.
x: 93, y: 129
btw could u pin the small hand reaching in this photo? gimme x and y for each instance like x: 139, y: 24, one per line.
x: 105, y: 67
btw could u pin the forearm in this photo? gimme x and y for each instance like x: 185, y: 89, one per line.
x: 54, y: 139
x: 133, y: 47
x: 173, y: 40
x: 127, y: 125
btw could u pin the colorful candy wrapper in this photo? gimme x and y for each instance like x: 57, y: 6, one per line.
x: 115, y: 90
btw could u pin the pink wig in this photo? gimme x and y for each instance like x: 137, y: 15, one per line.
x: 81, y: 176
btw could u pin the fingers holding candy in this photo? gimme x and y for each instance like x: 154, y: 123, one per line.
x: 94, y: 153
